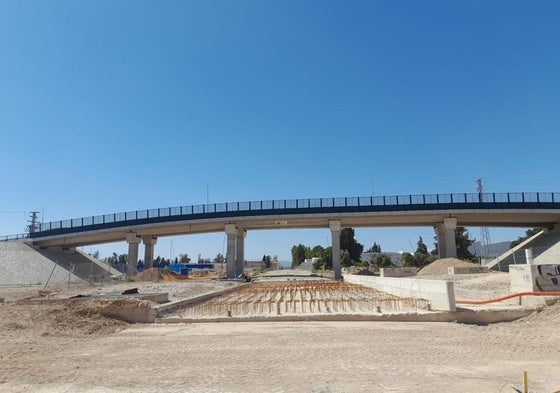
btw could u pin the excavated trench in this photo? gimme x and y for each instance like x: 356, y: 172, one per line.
x: 299, y: 298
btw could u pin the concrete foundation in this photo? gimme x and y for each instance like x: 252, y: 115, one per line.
x: 439, y: 293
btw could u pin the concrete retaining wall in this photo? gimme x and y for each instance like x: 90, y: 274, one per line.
x: 398, y: 271
x: 439, y: 293
x: 467, y: 269
x: 527, y: 278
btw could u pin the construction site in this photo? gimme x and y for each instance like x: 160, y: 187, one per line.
x: 451, y: 326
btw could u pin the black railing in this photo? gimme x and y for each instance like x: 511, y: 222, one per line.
x: 533, y: 200
x: 8, y: 238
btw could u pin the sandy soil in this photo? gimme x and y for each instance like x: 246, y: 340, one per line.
x: 71, y: 346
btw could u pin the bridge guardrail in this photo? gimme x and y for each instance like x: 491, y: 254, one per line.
x: 20, y: 236
x: 513, y: 200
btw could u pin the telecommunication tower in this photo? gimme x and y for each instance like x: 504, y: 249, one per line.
x: 485, y: 244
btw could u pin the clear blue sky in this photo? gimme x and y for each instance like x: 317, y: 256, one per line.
x: 109, y: 106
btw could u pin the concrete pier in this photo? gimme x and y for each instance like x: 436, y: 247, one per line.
x: 240, y: 251
x: 149, y: 242
x: 133, y: 241
x: 335, y: 233
x: 445, y: 232
x: 231, y: 232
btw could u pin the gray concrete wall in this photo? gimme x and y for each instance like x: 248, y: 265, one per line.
x: 545, y: 246
x: 439, y: 293
x: 398, y: 271
x: 20, y: 264
x: 539, y: 278
x: 79, y: 263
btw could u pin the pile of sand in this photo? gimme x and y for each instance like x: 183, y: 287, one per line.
x: 440, y: 266
x: 151, y: 274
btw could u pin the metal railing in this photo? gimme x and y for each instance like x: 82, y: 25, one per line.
x: 288, y: 204
x: 318, y: 205
x: 9, y: 238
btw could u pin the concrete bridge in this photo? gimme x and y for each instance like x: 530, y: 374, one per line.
x: 444, y: 212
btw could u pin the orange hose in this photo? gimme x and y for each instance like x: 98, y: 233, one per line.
x: 499, y: 299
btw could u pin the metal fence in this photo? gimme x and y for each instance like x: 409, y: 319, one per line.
x: 286, y: 206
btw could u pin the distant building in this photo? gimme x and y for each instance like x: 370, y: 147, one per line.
x: 308, y: 264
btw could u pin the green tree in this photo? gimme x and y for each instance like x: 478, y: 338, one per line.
x: 382, y: 260
x: 298, y: 255
x: 417, y: 259
x: 349, y: 243
x: 326, y: 258
x: 463, y: 243
x: 184, y: 258
x: 317, y: 252
x: 376, y: 248
x: 219, y: 258
x: 422, y: 248
x: 345, y: 259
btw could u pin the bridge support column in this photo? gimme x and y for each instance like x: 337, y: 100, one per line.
x: 231, y: 232
x: 335, y: 232
x: 149, y: 243
x: 240, y: 251
x: 133, y: 240
x: 446, y: 238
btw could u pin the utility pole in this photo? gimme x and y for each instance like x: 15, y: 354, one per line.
x: 34, y: 224
x: 485, y: 243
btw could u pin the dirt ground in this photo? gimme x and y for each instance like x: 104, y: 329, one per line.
x: 73, y: 346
